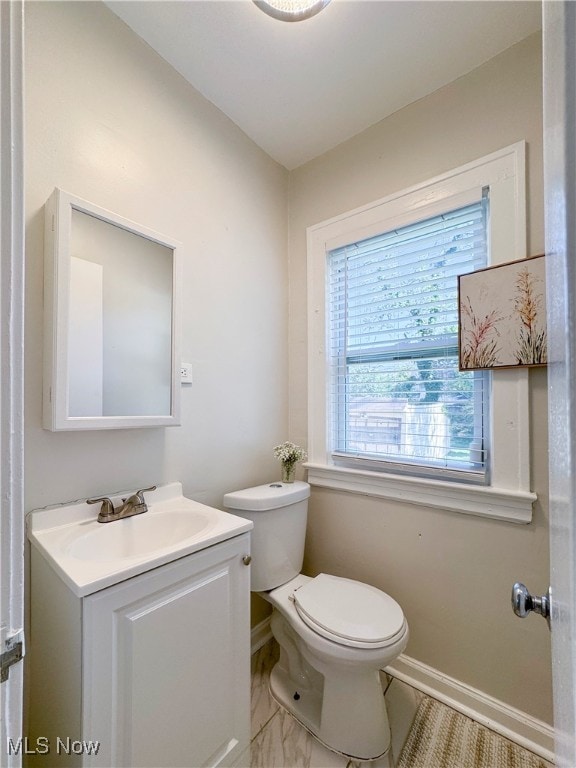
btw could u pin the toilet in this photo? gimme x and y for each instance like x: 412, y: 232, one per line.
x: 334, y: 634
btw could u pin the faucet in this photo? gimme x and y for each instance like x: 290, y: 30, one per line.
x: 133, y: 505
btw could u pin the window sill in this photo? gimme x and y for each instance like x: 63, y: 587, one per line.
x: 484, y: 501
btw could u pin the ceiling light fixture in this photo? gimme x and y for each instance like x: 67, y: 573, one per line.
x: 291, y: 10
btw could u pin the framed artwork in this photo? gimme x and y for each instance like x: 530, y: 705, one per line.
x: 502, y: 316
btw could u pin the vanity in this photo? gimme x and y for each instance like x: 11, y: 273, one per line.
x: 139, y: 652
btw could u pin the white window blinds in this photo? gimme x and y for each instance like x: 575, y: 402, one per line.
x: 397, y: 399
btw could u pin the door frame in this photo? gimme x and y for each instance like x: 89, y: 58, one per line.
x: 12, y: 366
x: 559, y: 33
x: 559, y: 42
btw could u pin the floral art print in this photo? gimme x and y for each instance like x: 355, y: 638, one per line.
x: 502, y: 316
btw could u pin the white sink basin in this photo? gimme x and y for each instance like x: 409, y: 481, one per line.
x: 140, y: 535
x: 90, y: 556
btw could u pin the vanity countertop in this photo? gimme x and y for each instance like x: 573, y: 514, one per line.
x: 90, y: 556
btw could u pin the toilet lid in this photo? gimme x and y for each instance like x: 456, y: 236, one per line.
x: 349, y: 612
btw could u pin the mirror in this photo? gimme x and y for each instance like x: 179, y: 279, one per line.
x: 111, y: 319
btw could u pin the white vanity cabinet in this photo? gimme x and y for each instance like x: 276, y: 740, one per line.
x: 155, y: 668
x: 168, y: 649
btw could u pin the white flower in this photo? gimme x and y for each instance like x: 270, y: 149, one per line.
x: 289, y: 453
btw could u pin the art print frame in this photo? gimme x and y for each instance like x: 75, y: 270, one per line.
x: 502, y: 316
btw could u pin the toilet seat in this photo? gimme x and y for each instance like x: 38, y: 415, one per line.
x: 349, y: 612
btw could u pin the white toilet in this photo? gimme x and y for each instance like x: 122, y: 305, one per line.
x: 334, y: 634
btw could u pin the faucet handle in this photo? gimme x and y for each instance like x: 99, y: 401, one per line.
x: 137, y: 499
x: 107, y: 507
x: 140, y: 494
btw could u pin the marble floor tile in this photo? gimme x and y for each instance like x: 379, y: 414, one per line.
x: 284, y: 743
x: 263, y: 706
x: 402, y: 702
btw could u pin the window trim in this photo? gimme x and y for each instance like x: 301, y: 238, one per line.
x: 508, y: 497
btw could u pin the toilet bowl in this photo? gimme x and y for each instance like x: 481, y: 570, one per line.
x: 335, y: 634
x: 331, y: 684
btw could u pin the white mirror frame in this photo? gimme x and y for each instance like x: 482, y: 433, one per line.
x: 58, y: 225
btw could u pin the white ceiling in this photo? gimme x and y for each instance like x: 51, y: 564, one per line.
x: 299, y: 89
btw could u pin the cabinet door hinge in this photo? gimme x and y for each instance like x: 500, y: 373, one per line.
x: 13, y: 653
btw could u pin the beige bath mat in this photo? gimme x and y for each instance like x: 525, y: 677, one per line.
x: 443, y: 738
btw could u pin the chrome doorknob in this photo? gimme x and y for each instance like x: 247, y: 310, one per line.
x: 523, y: 602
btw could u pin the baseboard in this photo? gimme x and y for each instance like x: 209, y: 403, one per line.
x: 517, y: 726
x: 260, y: 634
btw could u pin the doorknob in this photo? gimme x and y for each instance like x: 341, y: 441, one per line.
x: 523, y: 602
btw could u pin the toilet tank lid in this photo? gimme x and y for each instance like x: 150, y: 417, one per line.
x: 269, y: 496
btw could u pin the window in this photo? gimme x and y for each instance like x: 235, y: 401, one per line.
x: 388, y: 413
x: 397, y: 400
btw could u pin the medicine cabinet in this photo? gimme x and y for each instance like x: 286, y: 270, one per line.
x: 111, y: 320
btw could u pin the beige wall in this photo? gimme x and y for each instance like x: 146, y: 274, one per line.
x: 108, y: 120
x: 451, y: 573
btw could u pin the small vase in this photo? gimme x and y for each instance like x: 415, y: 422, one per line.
x: 288, y: 472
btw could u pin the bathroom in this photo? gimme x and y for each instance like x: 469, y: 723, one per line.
x: 110, y: 121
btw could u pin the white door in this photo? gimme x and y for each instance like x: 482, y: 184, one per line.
x: 560, y: 196
x: 11, y: 382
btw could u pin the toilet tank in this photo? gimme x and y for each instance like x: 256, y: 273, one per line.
x: 279, y: 512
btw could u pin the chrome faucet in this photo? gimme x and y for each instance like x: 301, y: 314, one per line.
x: 133, y: 505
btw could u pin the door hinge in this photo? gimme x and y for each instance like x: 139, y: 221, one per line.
x: 13, y: 653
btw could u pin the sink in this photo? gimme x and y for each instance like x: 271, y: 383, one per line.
x: 139, y: 535
x: 90, y: 556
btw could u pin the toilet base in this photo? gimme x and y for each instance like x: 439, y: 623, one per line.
x: 343, y: 708
x: 306, y: 709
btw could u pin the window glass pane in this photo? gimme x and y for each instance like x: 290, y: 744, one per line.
x: 419, y: 411
x: 397, y: 394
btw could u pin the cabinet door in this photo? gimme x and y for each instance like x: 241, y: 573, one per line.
x: 166, y: 664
